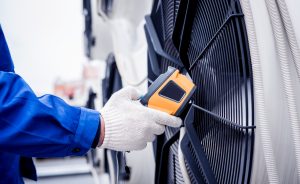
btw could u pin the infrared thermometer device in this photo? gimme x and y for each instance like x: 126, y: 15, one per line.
x: 170, y: 92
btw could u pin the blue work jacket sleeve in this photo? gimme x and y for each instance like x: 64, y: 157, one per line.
x: 42, y: 126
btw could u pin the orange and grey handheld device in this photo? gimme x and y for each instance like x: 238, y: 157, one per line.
x: 170, y: 92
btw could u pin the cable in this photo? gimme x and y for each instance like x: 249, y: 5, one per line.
x: 132, y: 83
x: 128, y: 82
x: 261, y: 115
x: 181, y: 161
x: 135, y: 84
x: 117, y: 165
x: 282, y: 52
x: 111, y: 169
x: 223, y: 119
x: 292, y: 40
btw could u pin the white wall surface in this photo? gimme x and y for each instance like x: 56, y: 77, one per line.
x: 45, y: 39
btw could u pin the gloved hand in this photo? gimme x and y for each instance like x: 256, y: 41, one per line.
x: 129, y: 125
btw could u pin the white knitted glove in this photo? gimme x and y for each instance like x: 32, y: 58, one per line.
x: 129, y: 125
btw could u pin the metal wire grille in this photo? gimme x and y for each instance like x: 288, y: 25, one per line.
x: 214, y: 50
x: 164, y: 19
x: 217, y: 56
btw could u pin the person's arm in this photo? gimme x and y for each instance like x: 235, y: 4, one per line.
x: 42, y: 126
x: 102, y: 132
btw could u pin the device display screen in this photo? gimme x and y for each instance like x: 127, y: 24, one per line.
x: 172, y: 91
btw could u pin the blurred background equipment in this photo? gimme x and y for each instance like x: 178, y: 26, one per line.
x: 104, y: 6
x: 119, y: 40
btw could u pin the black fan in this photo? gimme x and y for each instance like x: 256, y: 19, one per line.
x: 208, y: 41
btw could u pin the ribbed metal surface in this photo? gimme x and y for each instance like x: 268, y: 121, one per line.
x: 194, y: 158
x: 174, y: 175
x: 190, y: 173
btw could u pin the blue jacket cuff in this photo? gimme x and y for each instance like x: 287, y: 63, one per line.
x: 86, y: 131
